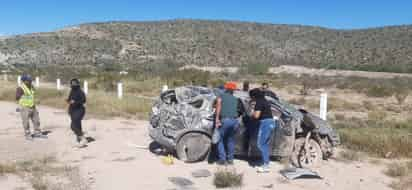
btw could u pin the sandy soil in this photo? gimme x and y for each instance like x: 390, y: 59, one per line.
x: 110, y: 162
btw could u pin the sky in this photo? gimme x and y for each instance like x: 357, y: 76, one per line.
x: 27, y: 16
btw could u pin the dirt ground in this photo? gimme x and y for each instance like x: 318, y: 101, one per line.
x: 111, y: 162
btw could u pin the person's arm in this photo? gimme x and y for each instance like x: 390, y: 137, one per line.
x: 19, y: 93
x: 218, y: 110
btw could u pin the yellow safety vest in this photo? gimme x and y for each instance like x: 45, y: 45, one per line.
x: 27, y: 99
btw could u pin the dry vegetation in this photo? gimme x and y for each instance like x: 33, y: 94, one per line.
x: 403, y: 172
x: 45, y: 174
x: 225, y: 178
x: 99, y: 102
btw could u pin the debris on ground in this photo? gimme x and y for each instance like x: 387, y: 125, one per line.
x: 201, y: 173
x: 168, y: 160
x: 299, y: 173
x: 180, y: 181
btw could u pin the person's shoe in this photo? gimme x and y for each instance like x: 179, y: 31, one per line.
x: 221, y: 163
x: 83, y: 141
x: 263, y: 169
x: 230, y: 162
x: 28, y: 137
x: 39, y: 135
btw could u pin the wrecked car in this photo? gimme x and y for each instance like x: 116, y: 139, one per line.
x: 182, y: 121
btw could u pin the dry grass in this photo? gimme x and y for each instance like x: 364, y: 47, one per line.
x: 405, y: 183
x: 403, y: 172
x: 383, y: 139
x: 397, y: 169
x: 225, y: 178
x: 42, y: 174
x: 337, y: 104
x: 99, y: 103
x: 7, y: 168
x: 350, y: 155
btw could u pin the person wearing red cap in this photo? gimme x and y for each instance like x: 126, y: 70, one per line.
x: 226, y: 121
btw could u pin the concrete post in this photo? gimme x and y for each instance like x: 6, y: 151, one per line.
x: 120, y: 90
x: 323, y: 106
x: 165, y: 88
x: 19, y: 80
x: 37, y: 82
x: 58, y: 84
x: 85, y: 87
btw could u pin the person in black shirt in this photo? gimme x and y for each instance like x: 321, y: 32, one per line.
x: 263, y: 113
x: 76, y: 101
x: 267, y: 92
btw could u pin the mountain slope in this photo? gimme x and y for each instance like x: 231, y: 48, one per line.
x: 217, y: 43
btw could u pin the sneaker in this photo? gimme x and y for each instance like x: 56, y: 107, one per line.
x: 28, y: 137
x: 230, y: 162
x: 221, y: 162
x: 39, y: 135
x: 263, y: 169
x: 82, y: 140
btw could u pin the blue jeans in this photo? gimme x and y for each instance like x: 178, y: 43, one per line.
x: 227, y: 138
x: 266, y: 127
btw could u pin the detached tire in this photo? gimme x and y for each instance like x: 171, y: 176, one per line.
x: 299, y: 157
x: 193, y: 147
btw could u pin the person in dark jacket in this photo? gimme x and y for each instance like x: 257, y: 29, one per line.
x: 76, y: 101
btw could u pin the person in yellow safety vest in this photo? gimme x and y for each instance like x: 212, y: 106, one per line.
x: 25, y: 96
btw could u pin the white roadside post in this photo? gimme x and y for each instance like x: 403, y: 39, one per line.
x: 37, y: 82
x: 58, y: 84
x: 323, y: 105
x: 120, y: 90
x: 19, y: 80
x: 85, y: 87
x: 165, y: 88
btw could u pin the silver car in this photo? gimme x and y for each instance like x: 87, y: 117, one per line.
x: 182, y: 121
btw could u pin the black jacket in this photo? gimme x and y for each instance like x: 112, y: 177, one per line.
x: 79, y: 98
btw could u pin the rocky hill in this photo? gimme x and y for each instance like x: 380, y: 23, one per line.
x: 213, y: 43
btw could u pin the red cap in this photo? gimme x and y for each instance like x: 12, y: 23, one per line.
x: 230, y: 86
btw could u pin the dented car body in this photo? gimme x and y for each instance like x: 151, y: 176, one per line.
x: 182, y: 120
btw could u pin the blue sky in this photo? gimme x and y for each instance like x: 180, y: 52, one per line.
x: 25, y: 16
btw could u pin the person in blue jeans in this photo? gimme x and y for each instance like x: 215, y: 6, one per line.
x: 263, y: 113
x: 227, y: 123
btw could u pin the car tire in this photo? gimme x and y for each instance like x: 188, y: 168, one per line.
x: 193, y: 147
x: 299, y: 157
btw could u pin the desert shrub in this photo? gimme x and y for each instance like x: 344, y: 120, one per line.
x: 227, y: 178
x: 254, y: 69
x: 339, y: 116
x: 7, y: 168
x: 106, y: 81
x: 401, y: 90
x: 405, y: 183
x: 309, y: 83
x: 368, y: 105
x: 397, y: 169
x: 379, y: 91
x: 297, y: 101
x: 376, y: 116
x: 350, y: 155
x: 342, y: 105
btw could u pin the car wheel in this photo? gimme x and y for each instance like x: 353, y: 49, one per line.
x: 306, y: 160
x: 193, y: 147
